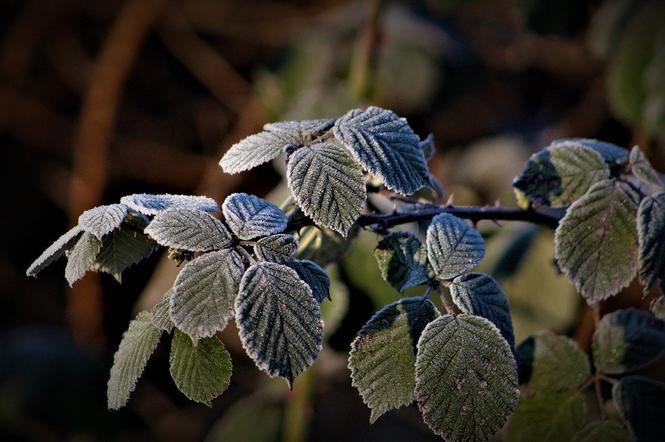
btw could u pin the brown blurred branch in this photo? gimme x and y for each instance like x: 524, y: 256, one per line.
x: 203, y: 61
x: 97, y: 121
x: 364, y: 53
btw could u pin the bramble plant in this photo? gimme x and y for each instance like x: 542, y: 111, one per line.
x: 459, y: 364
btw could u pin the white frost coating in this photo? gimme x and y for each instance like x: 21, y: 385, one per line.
x: 251, y: 217
x: 102, y: 220
x: 150, y: 204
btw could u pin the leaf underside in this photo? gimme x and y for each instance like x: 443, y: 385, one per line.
x: 121, y: 249
x: 201, y: 372
x: 150, y: 204
x: 651, y: 238
x: 103, y: 219
x: 251, y: 217
x: 137, y: 345
x: 383, y: 355
x: 479, y: 294
x: 192, y: 230
x: 627, y: 340
x: 599, y: 232
x: 385, y: 145
x: 279, y: 320
x: 402, y: 260
x: 204, y: 293
x: 453, y: 247
x: 328, y: 185
x: 466, y: 378
x: 82, y: 257
x: 55, y: 251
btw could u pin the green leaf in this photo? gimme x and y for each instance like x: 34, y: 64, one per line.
x: 102, y: 220
x: 551, y: 363
x: 599, y: 232
x: 314, y: 276
x: 161, y: 316
x: 385, y: 145
x: 479, y: 294
x: 121, y: 249
x: 279, y: 320
x: 657, y: 307
x: 560, y: 174
x: 402, y: 260
x: 651, y: 236
x: 55, y: 251
x: 466, y: 378
x: 203, y: 371
x: 548, y: 417
x: 327, y: 184
x: 276, y: 248
x: 204, y: 293
x: 453, y: 247
x: 251, y: 217
x: 383, y: 355
x: 641, y: 403
x: 191, y: 230
x: 642, y: 168
x: 608, y: 430
x: 267, y: 145
x: 149, y: 204
x: 627, y: 340
x: 137, y: 345
x: 325, y: 246
x: 82, y: 257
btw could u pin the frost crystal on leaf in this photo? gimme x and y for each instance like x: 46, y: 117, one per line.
x: 161, y: 316
x: 138, y: 343
x: 385, y: 146
x: 279, y: 320
x: 383, y: 355
x: 276, y: 248
x: 328, y: 185
x: 191, y: 230
x: 150, y: 204
x: 204, y: 293
x: 251, y: 217
x: 453, y: 247
x: 267, y: 145
x: 82, y: 257
x: 55, y: 251
x: 103, y: 219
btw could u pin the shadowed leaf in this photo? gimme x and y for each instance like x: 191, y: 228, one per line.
x: 611, y: 153
x: 651, y: 237
x: 314, y: 276
x: 121, y: 249
x: 402, y: 260
x: 608, y: 430
x: 642, y: 168
x: 641, y: 403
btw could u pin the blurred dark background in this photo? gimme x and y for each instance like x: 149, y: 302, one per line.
x: 99, y: 99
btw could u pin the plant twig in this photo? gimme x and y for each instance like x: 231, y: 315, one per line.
x: 472, y: 213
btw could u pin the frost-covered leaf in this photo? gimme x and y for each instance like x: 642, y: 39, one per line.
x: 479, y: 294
x: 161, y: 316
x: 642, y: 168
x: 402, y: 260
x: 277, y: 248
x: 453, y: 247
x: 202, y: 371
x: 102, y: 220
x: 251, y: 217
x: 548, y: 417
x: 314, y: 276
x: 657, y: 307
x: 279, y: 320
x: 136, y: 346
x: 641, y: 403
x: 81, y: 258
x: 428, y: 147
x: 55, y: 251
x: 385, y: 145
x: 191, y: 230
x: 651, y: 235
x: 121, y: 249
x: 328, y: 185
x: 551, y: 363
x: 559, y: 174
x: 264, y: 146
x: 607, y: 430
x: 150, y: 204
x: 204, y: 293
x: 466, y: 378
x: 599, y: 232
x: 611, y: 153
x: 627, y: 340
x: 383, y: 355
